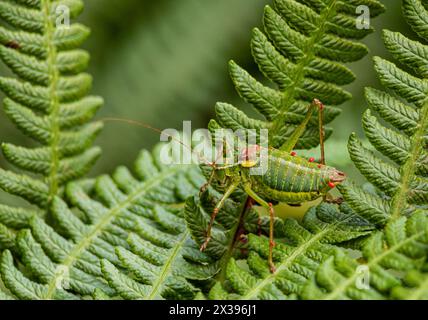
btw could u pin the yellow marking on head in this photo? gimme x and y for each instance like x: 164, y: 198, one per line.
x: 249, y: 163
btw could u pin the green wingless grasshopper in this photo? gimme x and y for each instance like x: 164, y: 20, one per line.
x: 289, y: 178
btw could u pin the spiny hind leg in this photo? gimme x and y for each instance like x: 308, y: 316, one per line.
x: 269, y: 206
x: 321, y: 131
x: 321, y: 128
x: 232, y: 187
x: 291, y: 143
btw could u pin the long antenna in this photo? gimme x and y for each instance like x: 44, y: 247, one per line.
x: 147, y: 126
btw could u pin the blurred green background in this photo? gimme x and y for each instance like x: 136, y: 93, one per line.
x: 165, y: 61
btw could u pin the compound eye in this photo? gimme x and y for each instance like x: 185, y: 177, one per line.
x: 337, y: 176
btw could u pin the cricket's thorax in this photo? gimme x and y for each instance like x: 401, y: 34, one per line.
x: 294, y: 179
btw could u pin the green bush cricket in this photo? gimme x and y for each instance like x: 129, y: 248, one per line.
x: 289, y: 178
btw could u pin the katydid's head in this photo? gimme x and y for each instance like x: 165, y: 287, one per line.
x: 249, y: 156
x: 336, y: 177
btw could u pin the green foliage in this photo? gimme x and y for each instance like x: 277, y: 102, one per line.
x: 137, y: 235
x: 401, y: 247
x: 48, y: 100
x: 306, y: 246
x: 5, y: 296
x: 124, y: 223
x: 302, y: 52
x: 415, y: 287
x: 402, y: 182
x: 394, y: 257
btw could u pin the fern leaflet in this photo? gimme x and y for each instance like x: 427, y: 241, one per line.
x: 48, y: 101
x: 415, y: 287
x: 301, y: 52
x: 403, y: 182
x: 307, y: 245
x: 125, y: 223
x: 401, y: 247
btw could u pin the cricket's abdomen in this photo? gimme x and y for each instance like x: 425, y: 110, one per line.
x: 291, y: 179
x: 293, y: 174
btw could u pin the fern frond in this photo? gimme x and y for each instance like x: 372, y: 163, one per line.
x: 7, y: 238
x: 129, y: 239
x: 415, y: 287
x: 5, y: 296
x: 48, y: 101
x: 302, y: 52
x: 11, y: 221
x: 297, y: 259
x: 402, y: 181
x: 401, y: 247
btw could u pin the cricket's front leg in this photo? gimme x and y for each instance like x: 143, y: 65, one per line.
x: 231, y: 188
x: 269, y: 206
x: 209, y: 181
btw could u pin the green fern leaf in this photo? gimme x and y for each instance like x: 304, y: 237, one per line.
x: 126, y: 223
x: 5, y: 296
x: 307, y: 245
x: 48, y: 100
x: 301, y: 51
x: 402, y: 181
x: 415, y: 287
x: 12, y: 220
x: 7, y: 237
x: 401, y: 247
